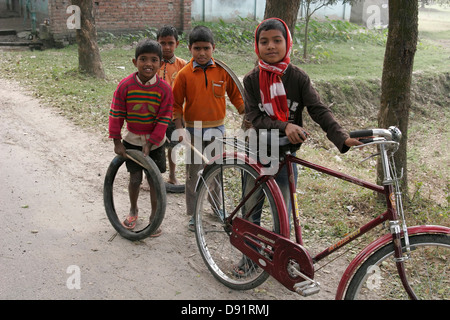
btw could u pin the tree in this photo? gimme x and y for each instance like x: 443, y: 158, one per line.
x: 286, y: 10
x: 309, y: 10
x: 89, y: 60
x: 397, y: 74
x: 309, y: 7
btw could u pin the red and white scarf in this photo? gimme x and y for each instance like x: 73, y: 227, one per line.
x: 273, y: 95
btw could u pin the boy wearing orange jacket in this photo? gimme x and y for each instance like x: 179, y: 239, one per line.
x: 201, y: 87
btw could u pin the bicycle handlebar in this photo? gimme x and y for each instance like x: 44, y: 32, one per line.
x: 391, y: 134
x: 369, y: 135
x: 283, y: 140
x: 361, y: 133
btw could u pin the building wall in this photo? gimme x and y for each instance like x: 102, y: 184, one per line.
x: 24, y: 8
x: 230, y: 10
x: 119, y: 16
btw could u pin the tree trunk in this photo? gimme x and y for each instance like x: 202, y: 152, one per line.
x: 286, y: 10
x: 397, y: 74
x: 310, y: 7
x: 89, y: 60
x: 305, y: 41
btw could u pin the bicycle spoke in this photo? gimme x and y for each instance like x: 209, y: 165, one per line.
x: 426, y: 271
x: 222, y: 189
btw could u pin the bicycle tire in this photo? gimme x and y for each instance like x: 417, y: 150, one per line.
x: 212, y: 235
x: 154, y: 179
x: 175, y: 188
x: 180, y: 170
x: 378, y: 279
x: 237, y: 81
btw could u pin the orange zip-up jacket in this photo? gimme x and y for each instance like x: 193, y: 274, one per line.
x: 203, y: 93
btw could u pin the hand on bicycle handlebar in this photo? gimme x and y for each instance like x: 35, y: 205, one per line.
x: 351, y: 142
x: 295, y: 133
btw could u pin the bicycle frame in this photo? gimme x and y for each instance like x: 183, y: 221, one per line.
x: 389, y: 215
x: 297, y: 250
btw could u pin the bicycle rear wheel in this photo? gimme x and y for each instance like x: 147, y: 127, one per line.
x: 117, y: 202
x: 427, y: 271
x: 221, y: 189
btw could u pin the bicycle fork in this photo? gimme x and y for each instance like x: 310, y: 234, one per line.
x: 400, y: 258
x: 395, y: 197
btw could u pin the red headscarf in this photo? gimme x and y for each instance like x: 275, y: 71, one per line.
x: 273, y: 95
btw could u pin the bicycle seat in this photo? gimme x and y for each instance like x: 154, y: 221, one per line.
x: 267, y: 135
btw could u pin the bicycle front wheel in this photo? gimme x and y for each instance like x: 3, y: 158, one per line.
x: 426, y: 270
x: 222, y: 188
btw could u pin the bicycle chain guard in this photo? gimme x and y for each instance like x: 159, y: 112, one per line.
x: 273, y: 253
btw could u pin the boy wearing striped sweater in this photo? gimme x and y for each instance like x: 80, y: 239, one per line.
x: 145, y: 101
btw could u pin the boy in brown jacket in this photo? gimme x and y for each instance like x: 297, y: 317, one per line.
x: 276, y: 92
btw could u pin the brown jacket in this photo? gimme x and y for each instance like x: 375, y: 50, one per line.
x: 300, y: 94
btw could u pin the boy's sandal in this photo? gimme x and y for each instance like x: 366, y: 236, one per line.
x: 130, y: 222
x: 191, y: 226
x: 157, y: 233
x: 244, y: 268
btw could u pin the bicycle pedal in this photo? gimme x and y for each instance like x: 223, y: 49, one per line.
x: 307, y: 288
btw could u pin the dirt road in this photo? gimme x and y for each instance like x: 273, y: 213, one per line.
x: 55, y: 237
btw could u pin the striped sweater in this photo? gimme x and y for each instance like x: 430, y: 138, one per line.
x: 146, y: 108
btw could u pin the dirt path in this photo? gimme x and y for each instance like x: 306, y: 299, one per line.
x: 53, y: 217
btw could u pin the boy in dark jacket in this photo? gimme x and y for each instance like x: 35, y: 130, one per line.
x: 276, y: 92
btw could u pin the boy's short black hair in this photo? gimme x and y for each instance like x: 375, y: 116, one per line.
x: 148, y: 46
x: 167, y: 31
x: 201, y: 34
x: 271, y: 24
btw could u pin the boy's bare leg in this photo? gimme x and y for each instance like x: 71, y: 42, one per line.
x: 172, y: 167
x: 133, y: 191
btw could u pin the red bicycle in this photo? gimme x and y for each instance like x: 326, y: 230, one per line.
x: 242, y: 229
